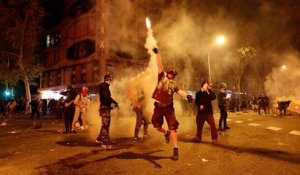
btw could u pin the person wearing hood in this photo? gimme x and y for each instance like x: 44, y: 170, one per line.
x: 107, y: 103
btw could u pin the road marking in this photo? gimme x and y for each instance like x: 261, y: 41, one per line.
x: 253, y: 124
x: 250, y: 120
x: 294, y: 132
x: 274, y: 128
x: 238, y: 121
x: 229, y: 119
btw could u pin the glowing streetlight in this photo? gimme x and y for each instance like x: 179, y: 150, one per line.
x: 283, y: 67
x: 220, y: 40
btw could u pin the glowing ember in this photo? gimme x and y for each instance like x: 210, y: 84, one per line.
x: 148, y: 23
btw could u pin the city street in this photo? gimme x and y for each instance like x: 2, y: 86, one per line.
x: 255, y: 145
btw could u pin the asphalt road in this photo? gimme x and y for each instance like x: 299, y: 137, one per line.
x: 255, y: 145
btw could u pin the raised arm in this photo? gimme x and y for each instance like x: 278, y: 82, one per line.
x: 158, y: 61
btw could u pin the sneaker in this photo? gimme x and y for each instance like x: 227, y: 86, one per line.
x: 196, y: 139
x: 136, y: 138
x: 175, y: 154
x: 226, y: 127
x: 107, y: 144
x: 167, y: 136
x: 98, y: 140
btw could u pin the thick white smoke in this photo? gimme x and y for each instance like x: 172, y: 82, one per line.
x: 283, y: 82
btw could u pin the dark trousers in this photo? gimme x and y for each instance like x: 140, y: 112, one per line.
x: 139, y: 121
x: 105, y: 118
x: 68, y: 119
x: 200, y: 119
x: 223, y: 116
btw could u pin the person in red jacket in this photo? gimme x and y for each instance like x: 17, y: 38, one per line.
x: 205, y: 112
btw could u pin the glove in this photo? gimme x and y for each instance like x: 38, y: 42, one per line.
x: 155, y: 50
x: 190, y: 98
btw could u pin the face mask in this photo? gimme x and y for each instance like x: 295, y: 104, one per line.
x: 107, y: 82
x: 84, y: 93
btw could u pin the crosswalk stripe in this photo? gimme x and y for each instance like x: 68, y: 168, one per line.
x: 253, y: 124
x: 274, y: 128
x: 294, y: 132
x: 238, y: 121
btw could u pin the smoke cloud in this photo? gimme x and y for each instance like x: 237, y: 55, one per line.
x: 185, y: 33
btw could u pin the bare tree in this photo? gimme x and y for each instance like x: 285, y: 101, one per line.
x: 245, y: 55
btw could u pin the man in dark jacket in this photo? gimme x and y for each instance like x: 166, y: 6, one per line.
x: 35, y: 114
x: 69, y: 108
x: 222, y: 107
x: 205, y: 112
x: 107, y: 103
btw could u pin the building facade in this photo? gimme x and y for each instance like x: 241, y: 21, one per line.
x: 76, y: 49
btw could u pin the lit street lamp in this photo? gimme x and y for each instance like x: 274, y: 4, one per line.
x: 282, y: 68
x: 220, y: 40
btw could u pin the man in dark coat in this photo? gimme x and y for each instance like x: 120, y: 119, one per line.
x: 69, y: 108
x: 205, y: 112
x: 222, y: 108
x: 107, y: 103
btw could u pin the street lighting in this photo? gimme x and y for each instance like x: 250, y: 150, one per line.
x: 282, y: 68
x: 220, y: 40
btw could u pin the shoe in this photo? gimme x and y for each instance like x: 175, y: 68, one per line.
x: 226, y: 127
x: 221, y: 129
x: 107, y: 144
x: 145, y: 136
x: 66, y: 132
x: 98, y: 140
x: 215, y: 142
x: 167, y: 136
x: 196, y: 139
x: 175, y: 154
x: 136, y: 138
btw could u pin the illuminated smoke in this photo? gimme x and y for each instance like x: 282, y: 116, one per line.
x: 283, y: 83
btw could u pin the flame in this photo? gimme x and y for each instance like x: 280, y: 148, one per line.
x: 148, y: 23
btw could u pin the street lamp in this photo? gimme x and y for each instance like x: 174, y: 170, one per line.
x: 220, y: 40
x: 282, y: 68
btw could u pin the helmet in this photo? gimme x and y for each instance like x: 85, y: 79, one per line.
x: 172, y: 71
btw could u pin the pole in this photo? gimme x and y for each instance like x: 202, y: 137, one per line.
x: 208, y: 62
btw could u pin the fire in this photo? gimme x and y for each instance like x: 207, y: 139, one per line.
x: 148, y: 23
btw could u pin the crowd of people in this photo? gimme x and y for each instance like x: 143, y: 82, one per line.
x: 72, y: 108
